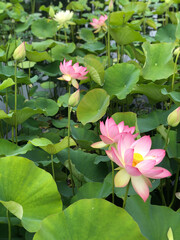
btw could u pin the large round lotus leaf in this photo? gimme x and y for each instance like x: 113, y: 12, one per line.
x: 93, y: 106
x: 6, y: 83
x: 166, y: 33
x: 44, y: 28
x: 27, y: 191
x: 154, y: 221
x: 159, y: 62
x: 90, y: 219
x: 120, y: 79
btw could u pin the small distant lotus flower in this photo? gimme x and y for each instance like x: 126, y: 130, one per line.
x: 74, y: 98
x: 63, y: 18
x: 111, y: 132
x: 99, y: 24
x: 20, y: 52
x: 174, y: 118
x: 137, y: 163
x: 71, y: 73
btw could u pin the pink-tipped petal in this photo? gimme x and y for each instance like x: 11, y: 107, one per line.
x: 103, y: 129
x: 121, y: 126
x: 157, y: 173
x: 156, y: 154
x: 106, y: 139
x: 140, y: 186
x: 98, y: 145
x: 121, y: 178
x: 128, y: 156
x: 146, y: 166
x: 142, y: 145
x: 133, y: 171
x: 113, y: 155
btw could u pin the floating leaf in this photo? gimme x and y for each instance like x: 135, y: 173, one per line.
x: 30, y: 204
x: 120, y: 79
x: 93, y: 106
x: 159, y: 63
x: 93, y: 214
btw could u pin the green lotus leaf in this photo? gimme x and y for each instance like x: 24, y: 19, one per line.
x: 51, y: 148
x: 43, y: 45
x: 166, y: 33
x: 137, y: 7
x: 60, y: 51
x: 44, y: 28
x: 120, y: 79
x: 93, y: 106
x: 119, y: 18
x: 10, y: 149
x: 51, y: 69
x: 95, y: 68
x: 27, y: 191
x: 154, y: 221
x: 5, y: 115
x: 175, y: 96
x: 48, y: 85
x: 48, y: 106
x: 26, y: 64
x: 22, y: 115
x: 125, y: 35
x: 151, y: 90
x: 86, y: 34
x: 35, y: 56
x: 178, y: 25
x: 94, y: 215
x: 93, y: 47
x: 159, y: 62
x: 6, y: 83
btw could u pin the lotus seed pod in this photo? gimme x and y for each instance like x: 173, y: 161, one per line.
x: 20, y: 52
x: 174, y: 118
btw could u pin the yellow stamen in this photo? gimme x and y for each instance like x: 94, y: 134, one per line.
x: 137, y: 158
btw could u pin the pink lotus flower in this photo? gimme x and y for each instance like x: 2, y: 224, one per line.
x: 137, y: 162
x: 111, y: 132
x: 99, y: 23
x: 72, y: 72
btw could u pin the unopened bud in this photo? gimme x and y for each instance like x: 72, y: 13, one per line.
x: 174, y: 118
x: 20, y: 52
x: 111, y: 6
x: 177, y: 51
x: 51, y: 12
x: 74, y: 98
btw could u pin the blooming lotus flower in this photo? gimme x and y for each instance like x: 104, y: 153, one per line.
x: 137, y: 163
x: 99, y: 23
x: 111, y: 132
x: 72, y: 72
x: 174, y: 118
x: 63, y: 18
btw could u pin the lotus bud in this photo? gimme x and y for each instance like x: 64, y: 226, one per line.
x: 177, y: 51
x: 178, y: 195
x: 111, y: 6
x: 174, y: 118
x: 20, y: 52
x: 74, y: 98
x: 51, y: 12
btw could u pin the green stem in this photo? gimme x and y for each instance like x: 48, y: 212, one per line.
x: 112, y: 165
x: 12, y: 132
x: 161, y: 192
x: 15, y: 100
x: 175, y: 65
x: 167, y: 138
x: 9, y: 225
x: 109, y: 51
x: 65, y: 35
x: 52, y: 166
x: 69, y: 160
x: 33, y: 4
x: 175, y: 186
x: 6, y: 112
x: 122, y: 52
x: 126, y: 194
x: 118, y: 53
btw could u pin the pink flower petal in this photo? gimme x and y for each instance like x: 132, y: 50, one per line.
x: 146, y: 166
x: 156, y: 154
x: 121, y: 178
x: 142, y: 145
x: 133, y: 171
x: 121, y: 126
x: 157, y: 173
x: 128, y: 156
x: 140, y: 186
x: 103, y: 129
x: 106, y: 139
x: 113, y: 155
